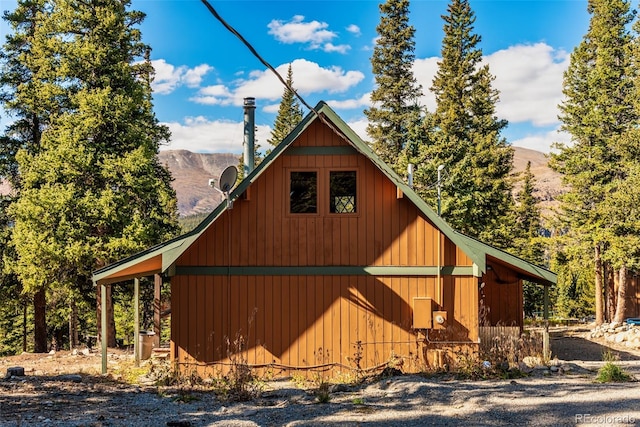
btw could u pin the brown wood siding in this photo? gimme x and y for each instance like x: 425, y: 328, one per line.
x: 502, y: 297
x: 386, y: 231
x: 302, y: 321
x: 633, y: 297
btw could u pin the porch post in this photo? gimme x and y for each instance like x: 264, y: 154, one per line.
x: 103, y: 336
x: 546, y: 351
x: 157, y: 319
x: 136, y: 320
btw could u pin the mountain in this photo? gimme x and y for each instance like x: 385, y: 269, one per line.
x: 192, y: 171
x: 548, y: 182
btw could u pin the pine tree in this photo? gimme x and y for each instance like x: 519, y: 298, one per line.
x: 526, y: 238
x: 464, y: 136
x: 31, y: 100
x: 597, y: 111
x: 394, y: 113
x: 289, y: 113
x: 94, y: 191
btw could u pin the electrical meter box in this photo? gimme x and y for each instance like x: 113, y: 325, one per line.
x: 422, y: 313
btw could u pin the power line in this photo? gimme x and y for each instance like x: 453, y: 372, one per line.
x: 270, y: 67
x: 255, y: 53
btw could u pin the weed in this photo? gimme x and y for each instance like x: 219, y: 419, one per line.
x: 323, y: 389
x: 611, y: 372
x: 323, y: 393
x: 240, y: 379
x: 185, y: 397
x: 358, y: 401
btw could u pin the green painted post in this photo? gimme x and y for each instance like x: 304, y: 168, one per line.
x: 136, y: 320
x: 546, y: 351
x: 103, y: 333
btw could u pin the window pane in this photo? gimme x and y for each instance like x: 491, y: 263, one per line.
x: 342, y: 191
x: 304, y: 192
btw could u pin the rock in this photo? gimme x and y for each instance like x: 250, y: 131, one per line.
x: 71, y: 378
x: 531, y: 361
x: 554, y: 368
x: 620, y: 337
x: 15, y: 371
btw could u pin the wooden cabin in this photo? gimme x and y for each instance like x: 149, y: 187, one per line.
x: 326, y: 258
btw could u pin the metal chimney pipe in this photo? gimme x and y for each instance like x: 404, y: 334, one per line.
x: 249, y: 134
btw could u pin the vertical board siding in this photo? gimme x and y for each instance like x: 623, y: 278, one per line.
x: 293, y: 331
x: 391, y: 230
x: 303, y: 321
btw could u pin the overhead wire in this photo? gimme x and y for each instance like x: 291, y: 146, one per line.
x: 264, y: 62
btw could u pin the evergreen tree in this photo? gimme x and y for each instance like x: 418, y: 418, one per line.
x: 597, y: 112
x: 289, y: 114
x: 394, y: 113
x: 94, y: 191
x: 464, y: 136
x: 527, y: 242
x: 31, y: 100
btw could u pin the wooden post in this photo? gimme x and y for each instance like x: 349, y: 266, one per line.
x: 136, y: 320
x: 157, y: 319
x: 103, y: 337
x: 546, y: 351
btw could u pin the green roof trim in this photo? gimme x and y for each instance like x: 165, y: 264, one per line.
x: 476, y: 250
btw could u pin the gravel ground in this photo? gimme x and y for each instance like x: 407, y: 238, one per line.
x: 54, y: 396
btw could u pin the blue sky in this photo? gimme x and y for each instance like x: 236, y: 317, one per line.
x: 203, y: 72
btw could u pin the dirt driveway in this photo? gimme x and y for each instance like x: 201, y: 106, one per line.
x: 53, y: 393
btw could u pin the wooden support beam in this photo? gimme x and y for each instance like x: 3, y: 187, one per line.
x: 103, y: 333
x: 157, y: 319
x: 546, y: 351
x: 136, y: 320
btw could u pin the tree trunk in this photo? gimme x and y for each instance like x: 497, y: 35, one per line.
x: 111, y: 323
x: 73, y: 325
x: 610, y: 292
x: 598, y: 286
x: 621, y: 306
x: 40, y: 322
x: 24, y: 326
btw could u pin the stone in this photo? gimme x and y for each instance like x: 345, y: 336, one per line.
x: 620, y: 337
x: 15, y: 371
x: 71, y: 378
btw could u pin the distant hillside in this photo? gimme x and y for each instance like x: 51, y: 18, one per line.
x: 192, y: 172
x: 548, y: 182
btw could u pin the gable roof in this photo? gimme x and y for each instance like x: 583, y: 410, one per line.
x: 160, y: 258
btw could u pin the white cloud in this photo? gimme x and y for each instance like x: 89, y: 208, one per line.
x: 313, y: 33
x: 199, y: 135
x: 350, y: 104
x: 424, y: 70
x: 169, y: 77
x: 354, y: 29
x: 529, y: 78
x: 193, y: 77
x: 308, y: 78
x: 543, y: 141
x: 359, y: 126
x: 330, y: 47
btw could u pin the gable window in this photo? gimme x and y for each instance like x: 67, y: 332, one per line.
x: 303, y: 192
x: 342, y: 192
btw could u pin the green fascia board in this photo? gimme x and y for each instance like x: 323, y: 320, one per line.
x: 475, y: 249
x: 547, y: 277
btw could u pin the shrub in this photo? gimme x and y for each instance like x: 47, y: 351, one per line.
x: 611, y: 372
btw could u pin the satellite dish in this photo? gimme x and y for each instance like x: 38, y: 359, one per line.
x: 228, y: 179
